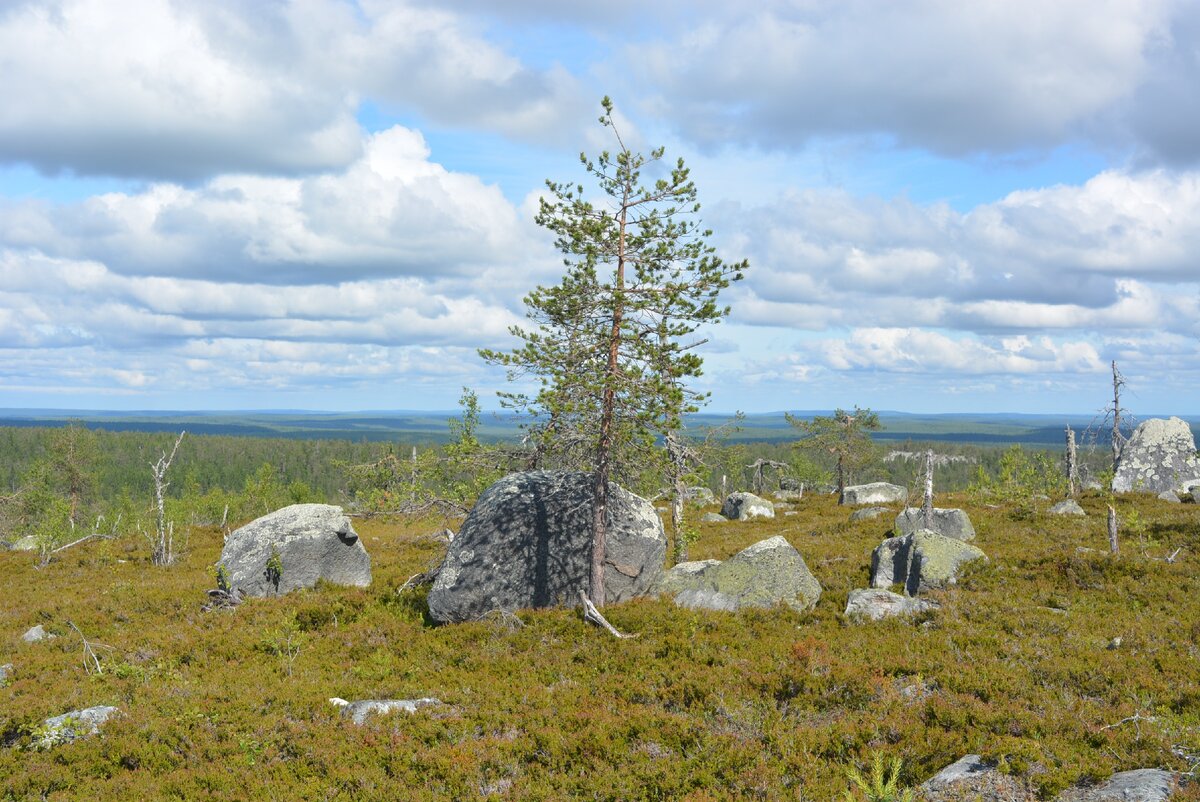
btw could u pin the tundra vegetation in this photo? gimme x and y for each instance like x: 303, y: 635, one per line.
x: 1081, y: 663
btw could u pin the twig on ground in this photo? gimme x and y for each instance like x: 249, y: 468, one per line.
x: 592, y: 615
x: 90, y: 658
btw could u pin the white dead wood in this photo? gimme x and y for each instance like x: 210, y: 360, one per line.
x: 164, y: 536
x: 91, y: 661
x: 592, y: 615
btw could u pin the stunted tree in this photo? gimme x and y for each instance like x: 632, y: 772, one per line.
x: 609, y: 344
x: 845, y: 436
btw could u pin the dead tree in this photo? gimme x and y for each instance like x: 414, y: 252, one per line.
x: 1072, y: 465
x: 1118, y: 439
x: 163, y: 547
x: 1113, y: 545
x: 927, y: 504
x: 758, y: 480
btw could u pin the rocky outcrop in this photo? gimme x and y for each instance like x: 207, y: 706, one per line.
x: 953, y: 523
x: 1067, y: 507
x: 528, y: 543
x: 763, y: 575
x: 1139, y: 785
x: 74, y: 725
x: 745, y: 506
x: 972, y: 778
x: 874, y: 493
x: 874, y: 604
x: 920, y: 561
x: 1161, y: 455
x: 292, y: 548
x: 360, y: 710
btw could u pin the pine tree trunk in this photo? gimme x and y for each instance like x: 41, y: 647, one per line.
x: 1072, y: 464
x: 1113, y: 545
x: 927, y: 504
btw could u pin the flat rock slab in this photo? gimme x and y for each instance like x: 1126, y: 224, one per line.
x: 762, y: 575
x: 921, y: 561
x: 1139, y: 785
x: 971, y: 779
x: 71, y: 726
x: 872, y: 604
x: 1067, y: 507
x: 713, y: 518
x: 1160, y: 455
x: 950, y: 522
x: 874, y: 493
x: 868, y: 514
x: 745, y: 506
x: 360, y: 710
x: 1170, y: 496
x: 528, y: 543
x: 293, y: 548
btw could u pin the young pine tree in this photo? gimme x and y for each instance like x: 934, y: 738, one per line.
x: 609, y: 345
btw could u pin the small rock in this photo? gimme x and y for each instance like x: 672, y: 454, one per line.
x: 745, y: 506
x: 789, y: 496
x: 953, y: 523
x: 874, y: 493
x: 1170, y: 496
x: 700, y: 496
x: 868, y: 513
x: 1115, y: 643
x: 1067, y: 507
x: 6, y: 671
x: 27, y: 543
x: 970, y: 778
x: 70, y: 726
x: 358, y: 711
x: 35, y: 634
x: 1139, y: 785
x: 713, y: 518
x: 874, y: 604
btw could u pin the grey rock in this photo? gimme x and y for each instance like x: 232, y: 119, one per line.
x: 970, y: 778
x: 953, y: 523
x: 1067, y: 507
x: 1161, y: 455
x: 713, y: 518
x: 528, y: 543
x: 762, y: 575
x: 313, y: 541
x: 787, y: 483
x: 35, y: 634
x: 71, y: 726
x: 6, y: 671
x: 27, y: 543
x: 788, y: 496
x: 874, y: 604
x: 744, y: 506
x: 874, y: 493
x: 358, y: 711
x: 920, y: 561
x: 1139, y: 785
x: 1170, y: 497
x: 868, y: 513
x: 700, y: 496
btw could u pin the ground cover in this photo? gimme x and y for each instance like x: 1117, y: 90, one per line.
x: 1056, y: 659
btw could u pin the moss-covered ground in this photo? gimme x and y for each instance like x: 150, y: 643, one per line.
x: 1056, y: 659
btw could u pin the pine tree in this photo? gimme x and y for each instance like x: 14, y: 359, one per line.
x: 609, y: 344
x: 844, y: 436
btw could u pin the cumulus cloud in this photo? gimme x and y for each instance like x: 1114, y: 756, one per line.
x: 954, y: 78
x: 182, y: 91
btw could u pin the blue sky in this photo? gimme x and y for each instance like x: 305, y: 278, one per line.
x: 324, y: 204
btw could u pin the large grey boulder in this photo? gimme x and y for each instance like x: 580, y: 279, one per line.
x: 971, y: 778
x: 71, y: 726
x: 762, y: 575
x: 873, y: 604
x: 920, y: 561
x: 358, y: 711
x: 874, y: 493
x: 1139, y: 785
x: 744, y: 506
x: 1161, y: 455
x: 1067, y: 507
x: 528, y: 543
x: 292, y: 548
x: 700, y: 496
x: 953, y: 523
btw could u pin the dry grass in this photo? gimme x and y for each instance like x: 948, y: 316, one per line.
x: 770, y: 705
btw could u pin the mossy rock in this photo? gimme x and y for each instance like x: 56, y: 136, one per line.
x: 762, y: 575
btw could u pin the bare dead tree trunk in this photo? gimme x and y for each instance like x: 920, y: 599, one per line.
x: 927, y: 504
x: 1117, y: 439
x: 724, y: 486
x: 413, y: 475
x: 1113, y: 545
x: 1072, y: 464
x: 164, y: 539
x: 758, y: 481
x: 678, y: 460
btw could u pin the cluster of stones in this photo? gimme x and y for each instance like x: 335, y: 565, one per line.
x: 973, y: 778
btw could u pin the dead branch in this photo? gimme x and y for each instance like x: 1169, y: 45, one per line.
x: 593, y: 616
x: 91, y: 661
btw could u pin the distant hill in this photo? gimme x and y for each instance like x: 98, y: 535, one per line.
x: 429, y: 426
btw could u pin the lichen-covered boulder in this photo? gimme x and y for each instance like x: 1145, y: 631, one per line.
x: 700, y: 496
x: 1161, y: 455
x: 292, y: 548
x: 921, y: 560
x: 744, y: 506
x: 1067, y: 507
x: 874, y: 604
x: 868, y: 514
x: 71, y: 726
x: 762, y: 575
x: 1139, y: 785
x: 874, y: 493
x: 971, y: 778
x: 528, y: 543
x: 953, y: 523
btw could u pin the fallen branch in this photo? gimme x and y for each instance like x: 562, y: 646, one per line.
x: 592, y: 615
x: 90, y: 658
x: 1135, y: 719
x: 84, y: 539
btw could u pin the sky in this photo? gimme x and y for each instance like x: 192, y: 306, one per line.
x: 329, y: 205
